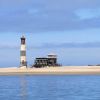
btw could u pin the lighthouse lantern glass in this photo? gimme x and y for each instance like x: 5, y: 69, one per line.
x: 22, y: 41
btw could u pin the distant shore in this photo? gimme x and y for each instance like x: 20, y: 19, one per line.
x: 65, y: 70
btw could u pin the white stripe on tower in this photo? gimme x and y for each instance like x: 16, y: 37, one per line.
x: 23, y: 62
x: 23, y: 47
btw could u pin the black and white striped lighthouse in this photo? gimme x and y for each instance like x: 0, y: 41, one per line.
x: 23, y: 62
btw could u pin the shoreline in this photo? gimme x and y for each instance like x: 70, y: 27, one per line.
x: 64, y: 70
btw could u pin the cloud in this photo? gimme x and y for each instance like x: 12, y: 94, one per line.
x: 88, y: 13
x: 72, y: 45
x: 47, y: 15
x: 56, y: 45
x: 65, y: 45
x: 6, y: 46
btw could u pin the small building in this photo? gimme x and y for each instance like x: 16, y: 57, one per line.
x: 40, y: 62
x: 50, y: 60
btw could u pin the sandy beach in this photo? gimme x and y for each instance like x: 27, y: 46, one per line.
x: 65, y: 70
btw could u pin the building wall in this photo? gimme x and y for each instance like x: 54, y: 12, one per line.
x: 43, y: 62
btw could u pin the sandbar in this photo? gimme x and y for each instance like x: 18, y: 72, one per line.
x: 63, y: 70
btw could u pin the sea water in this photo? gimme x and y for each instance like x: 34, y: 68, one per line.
x: 49, y: 87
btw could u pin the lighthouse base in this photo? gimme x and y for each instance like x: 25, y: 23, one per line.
x: 23, y: 67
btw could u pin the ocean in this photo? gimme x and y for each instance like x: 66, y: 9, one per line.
x: 50, y: 87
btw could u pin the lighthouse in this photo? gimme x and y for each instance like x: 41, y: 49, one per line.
x: 23, y: 62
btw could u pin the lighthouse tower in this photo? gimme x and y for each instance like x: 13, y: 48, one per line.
x: 23, y: 62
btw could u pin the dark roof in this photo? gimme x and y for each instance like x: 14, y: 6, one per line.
x: 42, y: 58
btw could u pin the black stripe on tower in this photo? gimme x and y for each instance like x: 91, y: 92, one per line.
x: 23, y: 63
x: 23, y: 53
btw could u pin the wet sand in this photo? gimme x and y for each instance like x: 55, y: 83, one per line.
x: 65, y: 70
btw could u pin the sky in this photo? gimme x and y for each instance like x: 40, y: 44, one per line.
x: 68, y: 28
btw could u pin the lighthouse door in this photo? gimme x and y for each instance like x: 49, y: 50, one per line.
x: 23, y: 62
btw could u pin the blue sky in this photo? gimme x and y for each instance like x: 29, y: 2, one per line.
x: 71, y: 29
